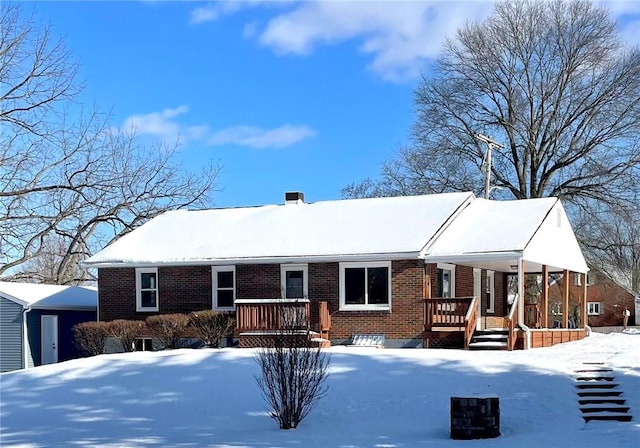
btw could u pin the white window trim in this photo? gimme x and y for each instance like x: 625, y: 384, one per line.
x: 139, y: 306
x: 366, y: 306
x: 214, y: 282
x: 452, y: 268
x: 596, y: 305
x: 305, y: 278
x: 491, y: 275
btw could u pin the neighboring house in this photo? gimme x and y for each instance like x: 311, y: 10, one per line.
x: 407, y: 268
x: 606, y: 299
x: 36, y: 322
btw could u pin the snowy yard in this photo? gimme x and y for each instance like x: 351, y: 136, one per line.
x: 377, y: 398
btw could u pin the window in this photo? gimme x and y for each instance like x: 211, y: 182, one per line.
x: 224, y: 287
x: 143, y: 344
x: 593, y: 308
x: 556, y: 309
x: 490, y: 290
x: 294, y: 281
x: 446, y: 280
x: 577, y: 279
x: 365, y: 286
x: 146, y: 289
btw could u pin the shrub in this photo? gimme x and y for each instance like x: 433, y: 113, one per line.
x: 168, y: 328
x: 293, y: 372
x: 126, y: 331
x: 90, y: 337
x: 211, y: 326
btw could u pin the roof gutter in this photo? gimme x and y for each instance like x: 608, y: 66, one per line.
x: 258, y: 260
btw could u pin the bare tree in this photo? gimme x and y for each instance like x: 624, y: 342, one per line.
x: 553, y: 82
x: 611, y: 239
x: 68, y: 179
x: 293, y: 372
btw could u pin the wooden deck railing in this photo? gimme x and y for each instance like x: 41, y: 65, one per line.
x: 272, y: 314
x: 446, y: 312
x: 471, y: 320
x: 324, y: 320
x: 511, y: 324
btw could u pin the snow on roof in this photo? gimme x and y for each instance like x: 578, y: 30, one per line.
x: 536, y: 229
x: 323, y: 230
x: 50, y: 296
x: 493, y: 226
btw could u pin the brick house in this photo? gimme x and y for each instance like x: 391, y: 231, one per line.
x: 420, y: 270
x: 606, y: 302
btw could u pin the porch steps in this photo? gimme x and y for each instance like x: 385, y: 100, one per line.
x: 317, y: 340
x: 599, y: 395
x: 490, y: 339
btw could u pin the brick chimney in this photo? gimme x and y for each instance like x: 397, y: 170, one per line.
x: 294, y: 197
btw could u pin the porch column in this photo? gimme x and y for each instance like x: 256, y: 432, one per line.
x: 565, y: 295
x: 521, y: 291
x: 545, y: 297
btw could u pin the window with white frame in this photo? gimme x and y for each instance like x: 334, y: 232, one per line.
x: 593, y: 308
x: 446, y: 280
x: 365, y: 286
x: 143, y: 344
x: 224, y: 287
x: 294, y: 281
x: 146, y: 289
x: 577, y: 279
x: 490, y: 290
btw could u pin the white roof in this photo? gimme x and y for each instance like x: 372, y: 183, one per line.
x: 50, y: 296
x: 537, y: 230
x: 451, y: 227
x: 328, y: 230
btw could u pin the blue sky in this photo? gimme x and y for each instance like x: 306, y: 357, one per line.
x: 304, y: 96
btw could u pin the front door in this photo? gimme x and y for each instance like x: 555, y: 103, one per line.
x: 49, y: 330
x: 477, y: 292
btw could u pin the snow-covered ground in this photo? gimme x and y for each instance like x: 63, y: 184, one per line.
x: 377, y: 398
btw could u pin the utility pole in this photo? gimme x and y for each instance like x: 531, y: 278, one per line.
x: 491, y: 144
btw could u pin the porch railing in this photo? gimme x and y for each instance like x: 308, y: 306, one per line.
x: 272, y: 314
x: 511, y: 325
x: 446, y: 312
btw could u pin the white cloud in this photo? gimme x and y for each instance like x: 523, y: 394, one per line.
x: 255, y: 137
x: 213, y: 11
x: 164, y: 125
x: 400, y: 36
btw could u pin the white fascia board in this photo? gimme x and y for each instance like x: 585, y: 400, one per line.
x: 261, y: 260
x: 63, y: 307
x: 446, y: 224
x: 473, y: 257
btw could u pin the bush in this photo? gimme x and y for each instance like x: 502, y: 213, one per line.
x: 293, y: 373
x: 126, y: 331
x: 168, y: 328
x: 90, y: 337
x: 211, y: 326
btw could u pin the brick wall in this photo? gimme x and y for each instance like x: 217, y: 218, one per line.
x: 180, y: 289
x: 258, y: 281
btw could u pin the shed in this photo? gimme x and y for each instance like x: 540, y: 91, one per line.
x: 36, y: 322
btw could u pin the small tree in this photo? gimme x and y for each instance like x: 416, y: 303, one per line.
x: 293, y: 372
x: 168, y: 328
x: 126, y: 331
x: 211, y: 326
x: 90, y: 337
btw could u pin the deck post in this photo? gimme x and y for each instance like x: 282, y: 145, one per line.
x: 545, y: 296
x: 565, y: 296
x: 520, y: 319
x: 583, y: 305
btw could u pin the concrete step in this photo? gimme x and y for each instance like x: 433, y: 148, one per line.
x: 593, y: 408
x: 608, y: 416
x: 488, y: 345
x: 601, y: 400
x: 599, y: 393
x: 596, y: 385
x: 594, y: 377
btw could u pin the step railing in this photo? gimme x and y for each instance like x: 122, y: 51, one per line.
x: 324, y: 320
x: 511, y: 325
x: 471, y: 320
